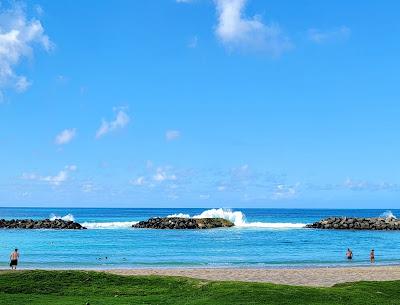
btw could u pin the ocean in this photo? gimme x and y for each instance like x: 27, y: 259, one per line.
x: 261, y: 238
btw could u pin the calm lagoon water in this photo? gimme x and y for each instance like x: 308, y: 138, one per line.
x: 263, y: 238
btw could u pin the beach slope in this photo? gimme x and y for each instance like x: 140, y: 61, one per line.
x: 319, y: 277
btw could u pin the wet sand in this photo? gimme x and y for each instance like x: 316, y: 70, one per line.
x: 323, y: 277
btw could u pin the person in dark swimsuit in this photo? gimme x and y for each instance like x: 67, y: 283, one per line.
x: 372, y: 256
x: 14, y: 259
x: 349, y: 254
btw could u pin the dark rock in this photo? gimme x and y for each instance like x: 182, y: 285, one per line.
x: 40, y: 224
x: 183, y: 223
x: 345, y: 223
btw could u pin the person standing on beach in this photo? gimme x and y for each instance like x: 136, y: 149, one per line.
x: 349, y: 254
x: 372, y: 256
x: 14, y: 259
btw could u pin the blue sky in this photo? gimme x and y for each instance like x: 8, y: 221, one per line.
x: 200, y: 103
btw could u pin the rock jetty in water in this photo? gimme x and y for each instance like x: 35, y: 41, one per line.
x: 183, y: 223
x: 40, y: 224
x: 349, y: 223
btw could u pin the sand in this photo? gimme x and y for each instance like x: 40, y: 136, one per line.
x: 322, y: 277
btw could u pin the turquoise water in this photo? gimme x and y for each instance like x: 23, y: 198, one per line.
x: 264, y: 238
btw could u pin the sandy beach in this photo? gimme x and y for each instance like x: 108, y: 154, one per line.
x: 323, y: 277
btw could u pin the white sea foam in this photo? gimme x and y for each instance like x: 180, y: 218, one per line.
x: 388, y: 215
x: 239, y: 219
x: 236, y: 217
x: 96, y: 225
x: 68, y: 217
x: 109, y: 225
x: 180, y: 215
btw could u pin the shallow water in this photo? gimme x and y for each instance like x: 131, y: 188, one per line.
x: 263, y: 238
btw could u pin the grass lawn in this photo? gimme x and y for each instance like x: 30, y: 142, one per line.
x: 79, y: 287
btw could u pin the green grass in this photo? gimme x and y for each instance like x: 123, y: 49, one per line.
x: 78, y: 287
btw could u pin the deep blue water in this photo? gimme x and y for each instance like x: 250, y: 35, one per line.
x: 267, y: 238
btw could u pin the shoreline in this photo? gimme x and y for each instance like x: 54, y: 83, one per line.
x: 302, y: 276
x: 313, y: 276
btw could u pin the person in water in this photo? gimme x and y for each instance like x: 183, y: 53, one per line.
x: 14, y: 259
x: 349, y: 254
x: 372, y: 256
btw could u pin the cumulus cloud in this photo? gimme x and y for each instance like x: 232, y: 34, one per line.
x: 56, y: 179
x: 65, y: 136
x: 236, y: 31
x: 61, y: 177
x: 121, y: 120
x: 171, y: 135
x: 18, y: 37
x: 323, y: 36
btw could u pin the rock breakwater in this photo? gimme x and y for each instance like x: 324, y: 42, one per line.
x: 350, y: 223
x: 183, y: 223
x: 40, y: 224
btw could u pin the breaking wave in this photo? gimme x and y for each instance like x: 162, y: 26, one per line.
x: 388, y: 215
x: 68, y: 217
x: 239, y: 219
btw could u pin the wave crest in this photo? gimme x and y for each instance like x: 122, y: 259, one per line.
x: 68, y: 217
x: 109, y: 225
x: 239, y: 219
x: 388, y: 215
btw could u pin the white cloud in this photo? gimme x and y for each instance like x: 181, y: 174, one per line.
x: 71, y: 168
x: 121, y: 120
x: 65, y: 136
x: 18, y: 36
x: 61, y: 177
x: 283, y: 191
x: 184, y: 1
x: 138, y: 181
x: 163, y: 175
x: 238, y: 32
x: 171, y: 135
x: 321, y: 36
x: 55, y: 180
x: 22, y: 84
